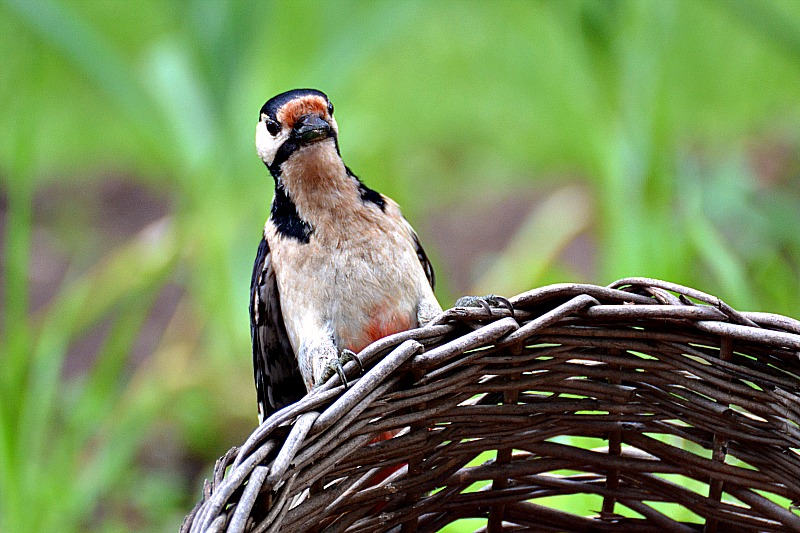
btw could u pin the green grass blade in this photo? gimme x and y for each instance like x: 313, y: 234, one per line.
x: 59, y: 25
x: 142, y: 264
x: 537, y: 244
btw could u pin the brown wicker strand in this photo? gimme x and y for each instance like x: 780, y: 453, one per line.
x: 661, y: 403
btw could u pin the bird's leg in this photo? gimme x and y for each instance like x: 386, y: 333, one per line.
x: 427, y: 310
x: 336, y: 366
x: 486, y: 302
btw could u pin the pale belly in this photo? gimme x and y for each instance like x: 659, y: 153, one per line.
x: 353, y: 294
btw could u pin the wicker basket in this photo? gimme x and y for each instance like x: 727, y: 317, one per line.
x: 653, y: 398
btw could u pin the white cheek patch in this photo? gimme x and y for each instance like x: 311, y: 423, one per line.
x: 267, y: 145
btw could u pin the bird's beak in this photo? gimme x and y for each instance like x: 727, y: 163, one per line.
x: 310, y: 128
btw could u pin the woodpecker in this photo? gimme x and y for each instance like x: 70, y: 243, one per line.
x: 338, y: 266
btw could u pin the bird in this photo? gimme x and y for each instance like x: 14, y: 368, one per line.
x: 338, y: 266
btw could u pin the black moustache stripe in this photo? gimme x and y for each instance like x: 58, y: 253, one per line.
x: 286, y: 218
x: 290, y: 146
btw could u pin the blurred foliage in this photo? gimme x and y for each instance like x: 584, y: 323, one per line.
x: 665, y: 133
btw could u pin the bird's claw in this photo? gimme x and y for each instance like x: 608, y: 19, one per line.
x: 486, y: 302
x: 505, y: 302
x: 336, y: 366
x: 349, y: 355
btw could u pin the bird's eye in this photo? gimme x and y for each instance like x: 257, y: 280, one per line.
x: 273, y: 127
x: 330, y: 109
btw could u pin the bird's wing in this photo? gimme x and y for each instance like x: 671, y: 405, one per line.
x: 278, y: 380
x: 423, y: 258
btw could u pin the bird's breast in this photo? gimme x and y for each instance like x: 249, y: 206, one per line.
x: 358, y: 287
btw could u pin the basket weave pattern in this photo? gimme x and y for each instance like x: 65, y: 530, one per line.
x: 682, y: 399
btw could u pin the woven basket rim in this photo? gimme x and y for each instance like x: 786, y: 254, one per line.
x: 277, y: 463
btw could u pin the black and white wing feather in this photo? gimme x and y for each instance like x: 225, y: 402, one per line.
x: 423, y: 259
x: 421, y: 255
x: 278, y: 380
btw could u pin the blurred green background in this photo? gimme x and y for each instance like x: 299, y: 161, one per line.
x: 528, y: 142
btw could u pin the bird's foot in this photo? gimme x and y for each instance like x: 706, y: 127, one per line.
x: 336, y: 366
x: 486, y: 302
x: 350, y: 355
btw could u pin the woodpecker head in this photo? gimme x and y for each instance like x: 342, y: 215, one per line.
x: 293, y: 124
